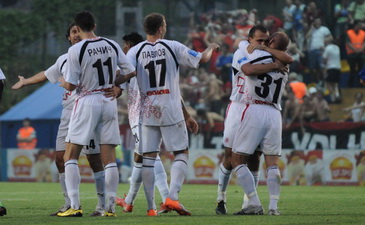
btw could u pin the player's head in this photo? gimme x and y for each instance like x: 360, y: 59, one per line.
x: 279, y: 41
x: 155, y: 25
x: 258, y: 34
x: 131, y: 40
x: 72, y: 34
x: 85, y: 20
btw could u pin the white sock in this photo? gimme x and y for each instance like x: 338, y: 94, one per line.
x: 99, y: 178
x: 148, y: 178
x: 61, y: 177
x: 273, y: 184
x: 135, y: 184
x: 161, y: 179
x: 111, y: 185
x: 256, y: 176
x: 73, y: 178
x: 245, y: 179
x: 178, y: 172
x: 223, y: 179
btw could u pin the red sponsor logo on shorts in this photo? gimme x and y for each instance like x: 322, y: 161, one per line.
x: 158, y: 92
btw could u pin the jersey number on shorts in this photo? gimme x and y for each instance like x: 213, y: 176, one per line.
x: 99, y: 66
x: 91, y: 144
x: 264, y: 90
x: 151, y: 70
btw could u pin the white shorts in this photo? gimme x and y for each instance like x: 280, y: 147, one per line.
x: 94, y: 117
x: 174, y: 137
x: 92, y: 148
x: 234, y: 114
x: 135, y: 133
x: 261, y: 125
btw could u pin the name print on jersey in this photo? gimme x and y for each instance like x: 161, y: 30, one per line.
x: 99, y: 50
x: 153, y: 54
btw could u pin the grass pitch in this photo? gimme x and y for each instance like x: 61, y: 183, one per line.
x: 31, y: 203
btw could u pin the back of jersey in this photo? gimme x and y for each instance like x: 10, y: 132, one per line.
x: 93, y: 62
x: 157, y: 65
x: 265, y: 88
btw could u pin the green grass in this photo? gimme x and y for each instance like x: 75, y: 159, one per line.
x: 31, y: 203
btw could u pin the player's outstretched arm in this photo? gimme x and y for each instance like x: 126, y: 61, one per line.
x: 207, y: 54
x: 279, y: 55
x: 37, y: 78
x: 256, y: 69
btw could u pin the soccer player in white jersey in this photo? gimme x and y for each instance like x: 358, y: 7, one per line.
x: 260, y: 124
x: 258, y: 37
x: 134, y: 106
x: 157, y: 62
x: 92, y: 65
x: 92, y: 151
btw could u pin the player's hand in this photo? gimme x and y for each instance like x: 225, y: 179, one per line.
x: 281, y: 67
x: 192, y: 125
x: 214, y: 46
x: 252, y: 46
x: 19, y: 84
x: 113, y: 93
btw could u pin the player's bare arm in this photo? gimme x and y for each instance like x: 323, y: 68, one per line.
x: 208, y: 52
x: 66, y: 85
x: 122, y: 79
x: 37, y: 78
x: 256, y: 69
x: 279, y: 55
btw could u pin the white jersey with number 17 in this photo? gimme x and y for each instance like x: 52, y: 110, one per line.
x: 93, y: 63
x: 157, y: 65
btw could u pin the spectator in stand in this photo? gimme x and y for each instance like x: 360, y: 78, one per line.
x: 312, y: 12
x: 291, y: 109
x: 243, y: 27
x: 273, y: 23
x: 355, y: 47
x: 298, y: 88
x: 322, y: 109
x: 332, y: 62
x: 297, y: 65
x: 342, y: 14
x: 213, y: 93
x: 298, y: 24
x: 316, y: 35
x: 357, y: 10
x: 208, y: 119
x: 288, y: 12
x: 355, y: 112
x: 27, y: 136
x: 224, y: 63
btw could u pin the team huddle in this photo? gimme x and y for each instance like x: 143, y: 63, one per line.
x: 96, y: 70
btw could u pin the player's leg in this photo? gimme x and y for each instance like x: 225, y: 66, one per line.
x: 175, y: 139
x: 253, y: 165
x: 73, y: 179
x: 135, y: 184
x: 273, y: 182
x: 224, y: 174
x: 150, y: 142
x: 99, y: 177
x: 246, y: 181
x: 161, y: 180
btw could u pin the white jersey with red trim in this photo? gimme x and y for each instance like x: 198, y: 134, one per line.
x: 238, y: 78
x: 157, y: 65
x: 56, y: 71
x: 92, y: 63
x: 266, y: 89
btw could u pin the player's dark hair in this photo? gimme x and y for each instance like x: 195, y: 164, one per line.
x: 252, y: 31
x: 85, y: 20
x: 69, y: 30
x: 133, y: 38
x: 282, y: 40
x: 152, y: 23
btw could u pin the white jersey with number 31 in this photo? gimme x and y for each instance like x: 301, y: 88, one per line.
x: 157, y: 65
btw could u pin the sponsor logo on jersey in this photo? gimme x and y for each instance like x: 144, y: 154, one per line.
x: 193, y: 53
x: 242, y: 59
x: 158, y: 92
